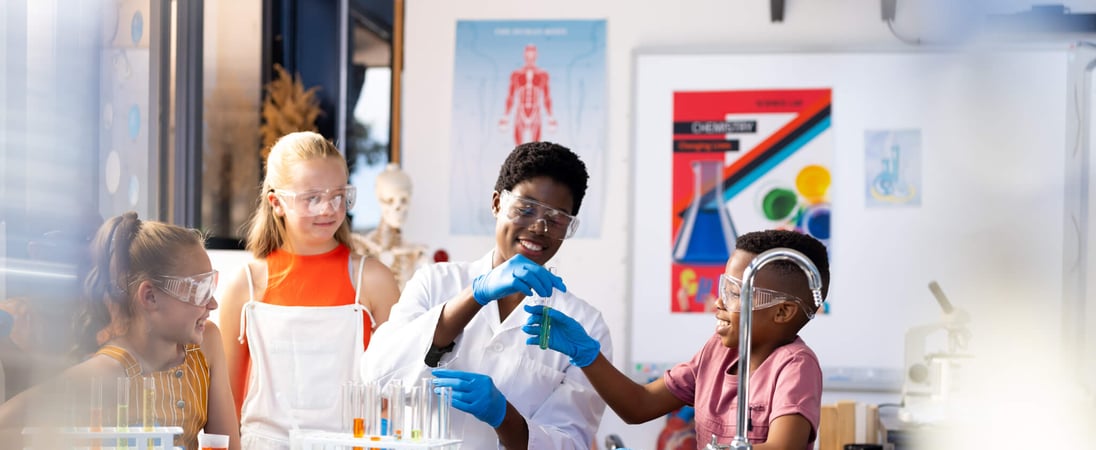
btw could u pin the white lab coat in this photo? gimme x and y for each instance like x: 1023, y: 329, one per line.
x: 561, y: 407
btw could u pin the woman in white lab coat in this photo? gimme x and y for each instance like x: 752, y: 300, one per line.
x: 466, y: 318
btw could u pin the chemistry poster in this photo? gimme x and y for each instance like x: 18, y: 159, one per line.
x: 522, y: 81
x: 743, y: 161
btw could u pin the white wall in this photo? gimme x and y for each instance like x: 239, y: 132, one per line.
x: 600, y: 269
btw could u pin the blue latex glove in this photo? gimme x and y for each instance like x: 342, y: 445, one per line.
x: 474, y: 394
x: 567, y: 335
x: 517, y: 274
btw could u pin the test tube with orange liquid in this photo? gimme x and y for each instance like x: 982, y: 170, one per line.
x: 95, y: 423
x: 357, y: 410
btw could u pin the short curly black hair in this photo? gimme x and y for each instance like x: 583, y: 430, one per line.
x: 536, y: 159
x: 759, y: 241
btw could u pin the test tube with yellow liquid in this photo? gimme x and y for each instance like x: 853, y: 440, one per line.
x: 420, y: 411
x: 148, y: 405
x: 123, y: 410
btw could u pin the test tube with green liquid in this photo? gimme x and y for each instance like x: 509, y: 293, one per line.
x: 545, y: 321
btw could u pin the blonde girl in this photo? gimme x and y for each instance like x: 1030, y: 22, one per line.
x: 298, y: 317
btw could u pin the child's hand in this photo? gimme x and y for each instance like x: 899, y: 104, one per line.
x: 567, y: 335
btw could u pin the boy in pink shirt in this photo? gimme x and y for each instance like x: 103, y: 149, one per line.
x: 785, y: 377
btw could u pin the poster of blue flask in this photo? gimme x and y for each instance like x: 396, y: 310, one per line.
x: 743, y: 161
x: 892, y: 168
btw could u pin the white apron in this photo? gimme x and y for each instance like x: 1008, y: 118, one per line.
x: 300, y: 356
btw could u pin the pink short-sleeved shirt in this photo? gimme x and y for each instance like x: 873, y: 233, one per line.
x: 788, y: 382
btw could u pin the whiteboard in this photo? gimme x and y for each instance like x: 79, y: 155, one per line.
x: 992, y: 127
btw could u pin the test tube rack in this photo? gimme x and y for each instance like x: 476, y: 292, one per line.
x: 316, y: 440
x: 82, y: 437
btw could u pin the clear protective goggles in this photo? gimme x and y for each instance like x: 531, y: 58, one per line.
x: 522, y: 211
x: 195, y: 289
x: 315, y: 203
x: 730, y: 291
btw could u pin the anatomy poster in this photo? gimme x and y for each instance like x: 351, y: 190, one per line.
x: 743, y: 161
x: 522, y: 81
x: 892, y: 166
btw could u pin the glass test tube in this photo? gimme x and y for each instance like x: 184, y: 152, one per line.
x: 372, y: 405
x: 148, y: 402
x: 545, y: 321
x: 445, y: 402
x: 123, y: 410
x: 396, y: 404
x: 148, y: 405
x: 420, y: 411
x: 95, y: 422
x: 346, y: 402
x: 357, y: 410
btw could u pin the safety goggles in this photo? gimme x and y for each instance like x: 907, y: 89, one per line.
x: 730, y: 291
x: 314, y: 203
x: 196, y: 289
x: 522, y: 211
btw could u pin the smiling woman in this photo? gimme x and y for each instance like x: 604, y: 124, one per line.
x: 465, y: 315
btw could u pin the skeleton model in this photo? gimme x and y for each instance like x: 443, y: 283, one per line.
x: 386, y: 241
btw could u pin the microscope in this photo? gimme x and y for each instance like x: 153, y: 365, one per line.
x: 932, y: 380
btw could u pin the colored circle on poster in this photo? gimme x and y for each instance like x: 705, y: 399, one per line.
x: 778, y: 203
x: 812, y: 182
x: 134, y: 190
x: 136, y: 27
x: 816, y: 222
x: 134, y: 122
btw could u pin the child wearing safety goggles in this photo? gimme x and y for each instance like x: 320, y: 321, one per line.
x: 785, y: 376
x: 148, y: 297
x: 299, y: 316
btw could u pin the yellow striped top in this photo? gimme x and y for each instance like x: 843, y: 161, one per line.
x: 181, y: 393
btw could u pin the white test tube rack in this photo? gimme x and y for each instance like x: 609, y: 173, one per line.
x: 315, y: 440
x: 83, y: 437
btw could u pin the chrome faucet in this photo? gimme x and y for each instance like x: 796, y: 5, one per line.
x: 745, y: 331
